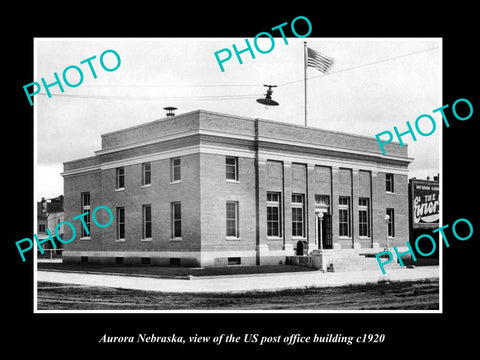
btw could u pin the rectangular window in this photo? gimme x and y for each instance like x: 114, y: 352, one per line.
x: 344, y: 216
x: 322, y: 200
x: 120, y: 223
x: 176, y: 220
x: 298, y: 223
x: 147, y: 221
x: 232, y: 219
x: 120, y: 178
x: 363, y: 217
x: 85, y: 208
x: 391, y: 222
x: 146, y: 174
x: 273, y: 197
x: 231, y: 168
x: 85, y: 200
x: 234, y: 261
x: 389, y: 183
x: 273, y: 215
x: 175, y: 170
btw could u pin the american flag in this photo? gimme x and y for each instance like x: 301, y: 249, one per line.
x: 318, y: 60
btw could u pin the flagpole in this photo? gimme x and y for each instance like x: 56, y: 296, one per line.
x: 305, y: 77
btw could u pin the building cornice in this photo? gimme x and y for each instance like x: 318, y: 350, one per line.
x: 263, y: 155
x: 81, y: 171
x: 264, y: 139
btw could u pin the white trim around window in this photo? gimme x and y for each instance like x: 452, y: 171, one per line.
x: 120, y: 224
x: 232, y: 229
x: 176, y: 221
x: 175, y: 170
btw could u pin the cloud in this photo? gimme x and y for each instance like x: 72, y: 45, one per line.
x: 361, y: 99
x: 48, y: 181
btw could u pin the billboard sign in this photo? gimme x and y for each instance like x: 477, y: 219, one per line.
x: 426, y: 206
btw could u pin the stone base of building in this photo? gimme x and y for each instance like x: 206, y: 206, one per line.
x: 262, y: 255
x: 337, y: 260
x: 184, y: 259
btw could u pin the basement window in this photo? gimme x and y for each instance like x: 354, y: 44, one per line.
x: 174, y: 261
x: 234, y: 261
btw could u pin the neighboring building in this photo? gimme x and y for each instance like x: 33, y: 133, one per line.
x: 209, y: 189
x: 49, y: 215
x: 41, y: 220
x: 55, y: 216
x: 424, y: 212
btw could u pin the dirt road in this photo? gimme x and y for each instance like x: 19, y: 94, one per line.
x: 407, y: 295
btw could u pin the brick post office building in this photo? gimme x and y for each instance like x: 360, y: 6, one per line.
x: 209, y: 189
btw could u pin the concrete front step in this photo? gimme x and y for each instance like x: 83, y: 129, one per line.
x: 352, y: 264
x: 339, y: 260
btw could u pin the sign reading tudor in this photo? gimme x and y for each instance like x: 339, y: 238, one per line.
x: 426, y: 209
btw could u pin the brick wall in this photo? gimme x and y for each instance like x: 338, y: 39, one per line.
x: 151, y: 130
x: 74, y: 186
x: 301, y: 134
x: 215, y: 192
x: 200, y: 119
x: 204, y: 190
x: 398, y: 200
x: 160, y: 194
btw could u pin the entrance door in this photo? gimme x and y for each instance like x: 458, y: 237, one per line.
x: 302, y: 247
x: 326, y: 232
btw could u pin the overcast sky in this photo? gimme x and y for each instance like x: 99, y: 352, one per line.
x: 375, y: 84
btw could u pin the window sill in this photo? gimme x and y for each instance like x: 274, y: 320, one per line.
x: 345, y: 237
x: 145, y: 186
x: 146, y: 239
x: 389, y: 192
x: 120, y: 189
x: 298, y: 238
x: 231, y: 238
x: 85, y: 238
x: 232, y: 181
x: 175, y: 182
x: 119, y: 240
x: 274, y: 238
x: 365, y: 238
x: 176, y: 239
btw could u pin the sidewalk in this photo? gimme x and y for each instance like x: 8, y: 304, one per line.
x: 240, y: 283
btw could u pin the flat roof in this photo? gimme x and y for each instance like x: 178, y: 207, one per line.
x: 245, y: 126
x: 270, y: 134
